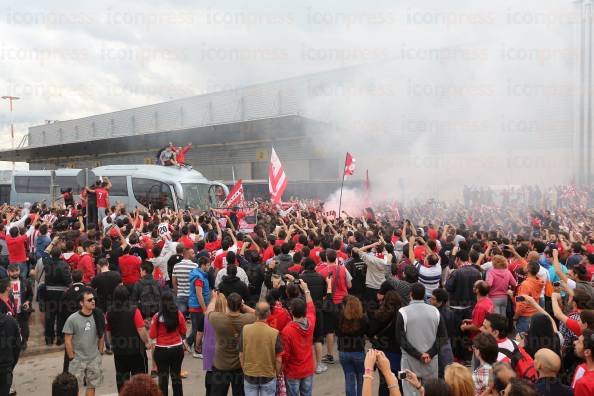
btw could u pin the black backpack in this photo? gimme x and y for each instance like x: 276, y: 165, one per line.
x: 149, y: 296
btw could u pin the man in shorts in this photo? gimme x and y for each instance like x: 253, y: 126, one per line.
x: 83, y: 337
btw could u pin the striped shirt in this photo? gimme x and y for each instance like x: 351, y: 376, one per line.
x: 430, y: 277
x: 181, y: 271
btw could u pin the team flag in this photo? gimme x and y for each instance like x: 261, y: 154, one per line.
x: 349, y: 165
x: 235, y: 196
x: 277, y: 180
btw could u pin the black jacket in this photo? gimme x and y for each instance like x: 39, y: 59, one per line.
x: 10, y: 342
x: 57, y: 275
x: 316, y: 285
x: 232, y: 284
x: 460, y: 286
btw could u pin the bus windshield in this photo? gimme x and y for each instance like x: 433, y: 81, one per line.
x: 196, y: 196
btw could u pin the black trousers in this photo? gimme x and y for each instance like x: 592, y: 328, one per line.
x: 23, y: 320
x: 54, y: 319
x: 5, y: 381
x: 370, y: 299
x: 92, y: 214
x: 129, y: 365
x: 169, y: 362
x: 221, y: 379
x: 459, y: 340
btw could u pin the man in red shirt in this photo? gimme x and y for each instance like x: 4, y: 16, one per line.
x: 86, y: 262
x: 17, y: 252
x: 483, y: 306
x: 103, y: 198
x: 583, y: 379
x: 297, y: 339
x: 129, y: 268
x: 341, y: 281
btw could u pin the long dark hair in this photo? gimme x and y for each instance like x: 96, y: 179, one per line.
x: 168, y: 310
x: 389, y: 306
x: 541, y: 335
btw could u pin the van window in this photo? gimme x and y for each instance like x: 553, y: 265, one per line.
x: 68, y: 182
x: 152, y: 192
x: 32, y: 184
x: 119, y: 186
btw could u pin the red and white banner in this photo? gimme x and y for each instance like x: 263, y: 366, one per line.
x: 277, y: 180
x: 349, y: 165
x: 235, y: 196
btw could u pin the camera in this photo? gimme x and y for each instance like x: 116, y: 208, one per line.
x: 402, y: 375
x: 520, y: 299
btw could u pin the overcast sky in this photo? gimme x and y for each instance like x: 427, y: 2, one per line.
x: 68, y: 59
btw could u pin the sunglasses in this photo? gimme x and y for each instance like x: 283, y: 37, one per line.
x: 91, y: 299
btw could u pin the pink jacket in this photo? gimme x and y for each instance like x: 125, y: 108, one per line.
x: 500, y: 279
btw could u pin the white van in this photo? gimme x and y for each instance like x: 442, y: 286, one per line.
x: 133, y: 185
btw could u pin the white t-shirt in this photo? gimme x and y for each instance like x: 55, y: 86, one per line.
x: 543, y: 274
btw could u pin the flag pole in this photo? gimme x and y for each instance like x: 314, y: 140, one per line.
x: 341, y: 186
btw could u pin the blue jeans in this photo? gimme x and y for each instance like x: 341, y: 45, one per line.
x: 523, y: 324
x: 267, y: 389
x: 300, y: 387
x: 182, y: 305
x: 353, y: 367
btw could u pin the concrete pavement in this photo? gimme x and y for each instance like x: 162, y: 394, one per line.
x: 34, y: 375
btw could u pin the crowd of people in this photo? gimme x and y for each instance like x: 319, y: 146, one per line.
x: 421, y: 299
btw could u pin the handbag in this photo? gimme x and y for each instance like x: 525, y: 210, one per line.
x: 328, y: 305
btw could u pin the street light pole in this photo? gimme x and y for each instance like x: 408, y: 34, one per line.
x: 10, y: 99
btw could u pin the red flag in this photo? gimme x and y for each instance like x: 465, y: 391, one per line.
x: 277, y: 180
x: 349, y: 165
x: 235, y: 195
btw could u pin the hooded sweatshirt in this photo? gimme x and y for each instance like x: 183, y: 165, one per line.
x: 500, y: 279
x: 531, y: 287
x: 297, y: 338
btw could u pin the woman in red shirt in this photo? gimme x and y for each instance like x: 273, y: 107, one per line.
x: 168, y: 329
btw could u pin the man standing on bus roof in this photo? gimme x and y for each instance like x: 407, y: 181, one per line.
x: 181, y: 154
x: 103, y: 198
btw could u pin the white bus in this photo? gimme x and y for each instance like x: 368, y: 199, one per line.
x: 133, y: 185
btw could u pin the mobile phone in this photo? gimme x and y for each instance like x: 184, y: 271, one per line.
x: 520, y: 299
x: 402, y: 375
x: 329, y: 275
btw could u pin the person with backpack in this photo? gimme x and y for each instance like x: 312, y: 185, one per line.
x: 509, y: 351
x: 128, y: 336
x: 250, y: 262
x: 57, y: 280
x: 147, y: 292
x: 197, y: 302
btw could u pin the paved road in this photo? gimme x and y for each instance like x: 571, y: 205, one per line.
x: 34, y: 374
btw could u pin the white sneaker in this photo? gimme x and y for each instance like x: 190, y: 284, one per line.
x: 321, y: 368
x: 197, y: 355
